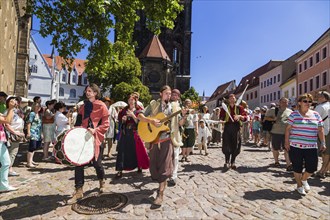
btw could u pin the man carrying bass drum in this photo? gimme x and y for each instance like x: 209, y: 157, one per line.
x: 94, y: 116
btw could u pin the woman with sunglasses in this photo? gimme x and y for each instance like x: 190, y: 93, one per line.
x: 303, y: 129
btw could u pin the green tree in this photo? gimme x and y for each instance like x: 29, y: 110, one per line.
x: 122, y: 90
x: 191, y: 94
x: 74, y: 25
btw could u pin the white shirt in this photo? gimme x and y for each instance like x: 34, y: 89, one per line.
x: 62, y: 122
x: 203, y: 133
x: 324, y: 110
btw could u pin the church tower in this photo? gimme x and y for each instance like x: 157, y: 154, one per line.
x: 177, y: 47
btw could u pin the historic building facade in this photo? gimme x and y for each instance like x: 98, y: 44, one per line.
x: 313, y: 67
x: 177, y: 45
x: 14, y: 50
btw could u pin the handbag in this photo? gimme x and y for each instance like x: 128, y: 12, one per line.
x: 11, y: 137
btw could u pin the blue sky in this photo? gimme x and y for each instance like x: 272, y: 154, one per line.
x: 232, y: 38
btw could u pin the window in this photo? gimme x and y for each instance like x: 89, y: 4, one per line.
x: 274, y: 96
x: 30, y: 86
x: 255, y: 94
x: 34, y: 69
x: 317, y: 58
x: 305, y: 65
x: 300, y: 89
x: 267, y: 97
x: 324, y: 78
x: 247, y: 97
x: 265, y: 84
x: 278, y: 77
x: 85, y: 80
x: 72, y: 93
x: 251, y: 95
x: 63, y: 77
x: 271, y: 97
x: 305, y: 87
x: 286, y: 94
x: 271, y: 81
x: 61, y: 92
x: 311, y: 84
x: 261, y: 84
x: 261, y: 99
x: 36, y: 56
x: 74, y: 78
x: 310, y: 61
x: 274, y: 79
x: 300, y: 68
x: 293, y: 92
x: 278, y: 94
x: 324, y: 53
x: 317, y: 82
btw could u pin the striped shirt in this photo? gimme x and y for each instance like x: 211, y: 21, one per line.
x: 304, y: 130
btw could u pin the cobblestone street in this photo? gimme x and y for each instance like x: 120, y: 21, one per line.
x: 256, y: 190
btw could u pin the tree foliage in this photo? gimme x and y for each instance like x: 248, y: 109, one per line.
x: 191, y: 94
x: 77, y: 24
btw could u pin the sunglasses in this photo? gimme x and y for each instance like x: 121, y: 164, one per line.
x: 306, y: 101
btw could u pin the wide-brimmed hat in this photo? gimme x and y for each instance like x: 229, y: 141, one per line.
x: 257, y: 109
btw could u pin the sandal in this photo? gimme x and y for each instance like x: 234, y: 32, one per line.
x: 277, y: 164
x: 30, y: 166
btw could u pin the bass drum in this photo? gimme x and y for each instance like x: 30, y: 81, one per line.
x: 74, y: 147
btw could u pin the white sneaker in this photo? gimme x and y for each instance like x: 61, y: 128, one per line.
x: 306, y: 186
x: 301, y: 190
x: 10, y: 188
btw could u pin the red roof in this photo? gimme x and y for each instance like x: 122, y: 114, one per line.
x: 154, y: 49
x: 79, y: 64
x: 253, y: 78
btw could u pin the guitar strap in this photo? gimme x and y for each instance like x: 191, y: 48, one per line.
x: 154, y: 107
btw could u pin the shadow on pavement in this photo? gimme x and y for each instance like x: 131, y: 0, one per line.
x: 197, y: 167
x: 268, y: 194
x: 245, y: 169
x: 28, y: 206
x: 257, y: 150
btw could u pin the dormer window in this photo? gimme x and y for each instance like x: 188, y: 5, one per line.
x: 74, y: 78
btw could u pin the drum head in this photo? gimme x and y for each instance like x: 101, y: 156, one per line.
x: 78, y: 146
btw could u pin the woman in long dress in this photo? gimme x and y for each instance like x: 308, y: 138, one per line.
x: 131, y: 151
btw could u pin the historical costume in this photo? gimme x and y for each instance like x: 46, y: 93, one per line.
x: 161, y: 152
x: 94, y: 116
x: 231, y: 146
x: 131, y: 151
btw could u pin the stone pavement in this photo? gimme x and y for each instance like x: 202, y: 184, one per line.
x: 256, y: 190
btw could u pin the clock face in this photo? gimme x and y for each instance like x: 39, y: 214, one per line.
x: 154, y: 76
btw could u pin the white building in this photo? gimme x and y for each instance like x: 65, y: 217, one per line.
x: 252, y: 82
x: 65, y: 86
x: 68, y: 86
x: 40, y: 78
x: 271, y: 81
x: 289, y: 89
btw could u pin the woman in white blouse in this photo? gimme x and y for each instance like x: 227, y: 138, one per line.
x: 61, y: 121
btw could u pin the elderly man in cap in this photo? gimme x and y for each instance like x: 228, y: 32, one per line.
x: 280, y: 116
x: 175, y: 98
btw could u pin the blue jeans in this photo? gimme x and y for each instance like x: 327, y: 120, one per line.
x: 5, y: 163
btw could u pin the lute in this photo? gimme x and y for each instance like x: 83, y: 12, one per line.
x: 149, y: 132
